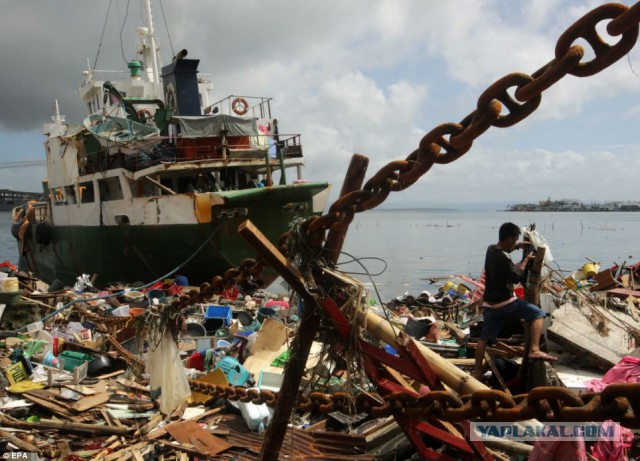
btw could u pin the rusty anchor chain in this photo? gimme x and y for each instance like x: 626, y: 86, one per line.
x: 619, y: 402
x: 445, y: 144
x: 449, y: 141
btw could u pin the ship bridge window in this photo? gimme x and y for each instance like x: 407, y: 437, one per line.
x: 110, y: 189
x: 86, y: 192
x: 57, y: 196
x: 70, y: 194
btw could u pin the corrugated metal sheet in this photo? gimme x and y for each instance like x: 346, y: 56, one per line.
x: 299, y: 445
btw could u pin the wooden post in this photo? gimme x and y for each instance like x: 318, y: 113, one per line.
x: 310, y: 320
x: 352, y: 181
x: 534, y: 371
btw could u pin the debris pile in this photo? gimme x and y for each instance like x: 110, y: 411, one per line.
x: 159, y: 371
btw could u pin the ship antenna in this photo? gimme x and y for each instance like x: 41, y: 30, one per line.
x: 152, y: 37
x: 57, y: 118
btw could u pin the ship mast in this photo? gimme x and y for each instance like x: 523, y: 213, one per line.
x: 152, y: 39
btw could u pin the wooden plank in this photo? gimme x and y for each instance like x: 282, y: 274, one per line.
x: 91, y: 401
x: 623, y: 293
x: 631, y: 302
x: 496, y: 373
x: 190, y: 433
x: 570, y: 327
x: 456, y: 332
x: 80, y: 389
x: 67, y: 426
x: 47, y: 400
x: 160, y: 432
x: 185, y: 450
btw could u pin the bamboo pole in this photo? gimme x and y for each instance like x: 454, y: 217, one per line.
x: 458, y: 380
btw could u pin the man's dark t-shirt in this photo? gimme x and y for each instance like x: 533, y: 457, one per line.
x: 500, y: 275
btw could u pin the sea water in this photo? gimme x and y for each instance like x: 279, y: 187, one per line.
x: 413, y: 246
x: 418, y: 245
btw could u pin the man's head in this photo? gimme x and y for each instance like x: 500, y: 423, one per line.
x: 508, y: 236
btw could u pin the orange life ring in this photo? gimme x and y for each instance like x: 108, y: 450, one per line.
x: 244, y: 106
x: 147, y: 114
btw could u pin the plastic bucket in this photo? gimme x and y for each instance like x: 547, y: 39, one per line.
x: 155, y: 294
x: 10, y: 285
x: 133, y: 296
x: 244, y: 318
x: 448, y: 286
x: 264, y: 313
x: 194, y: 330
x: 462, y: 289
x: 136, y: 311
x: 590, y: 270
x: 213, y: 324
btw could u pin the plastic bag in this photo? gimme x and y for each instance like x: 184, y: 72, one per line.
x: 82, y: 282
x: 167, y: 377
x: 539, y: 241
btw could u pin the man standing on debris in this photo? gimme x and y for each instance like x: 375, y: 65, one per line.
x: 500, y: 301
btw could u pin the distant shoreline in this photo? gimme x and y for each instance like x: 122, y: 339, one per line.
x: 574, y: 206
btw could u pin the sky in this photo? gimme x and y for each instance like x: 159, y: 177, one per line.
x: 363, y: 76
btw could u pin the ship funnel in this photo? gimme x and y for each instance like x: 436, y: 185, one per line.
x: 180, y: 81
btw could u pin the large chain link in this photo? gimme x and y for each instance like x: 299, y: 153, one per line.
x: 436, y: 148
x: 619, y: 402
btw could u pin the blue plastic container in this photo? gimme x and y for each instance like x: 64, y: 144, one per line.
x: 218, y: 312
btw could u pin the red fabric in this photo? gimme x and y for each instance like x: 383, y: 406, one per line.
x: 9, y: 265
x: 230, y: 293
x: 614, y: 450
x: 547, y: 450
x: 196, y: 361
x: 626, y: 370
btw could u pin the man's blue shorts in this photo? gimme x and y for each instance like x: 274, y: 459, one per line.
x: 494, y: 317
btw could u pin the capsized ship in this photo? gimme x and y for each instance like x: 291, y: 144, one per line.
x: 157, y: 179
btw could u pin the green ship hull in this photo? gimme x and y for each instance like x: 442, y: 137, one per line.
x: 144, y: 253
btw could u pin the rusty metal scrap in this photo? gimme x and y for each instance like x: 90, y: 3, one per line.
x: 620, y: 402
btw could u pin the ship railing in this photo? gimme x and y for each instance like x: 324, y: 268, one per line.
x: 123, y: 76
x: 167, y: 150
x: 243, y: 106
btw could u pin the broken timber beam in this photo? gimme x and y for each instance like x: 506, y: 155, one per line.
x: 352, y: 181
x: 301, y: 346
x: 309, y: 321
x: 534, y: 372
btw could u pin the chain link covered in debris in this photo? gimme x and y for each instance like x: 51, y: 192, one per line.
x: 619, y: 402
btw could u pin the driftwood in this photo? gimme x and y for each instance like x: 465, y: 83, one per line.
x: 18, y: 442
x: 66, y: 426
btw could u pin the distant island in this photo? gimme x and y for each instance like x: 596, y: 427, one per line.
x: 574, y: 205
